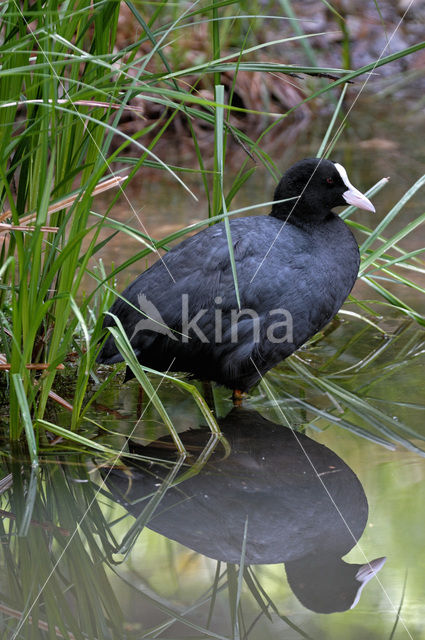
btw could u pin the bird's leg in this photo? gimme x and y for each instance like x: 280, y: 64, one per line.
x: 207, y: 392
x: 237, y: 397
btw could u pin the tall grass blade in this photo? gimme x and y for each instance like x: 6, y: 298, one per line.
x: 130, y: 358
x: 30, y: 499
x: 26, y: 418
x: 295, y: 24
x: 77, y: 438
x: 323, y: 152
x: 241, y: 574
x: 400, y: 607
x: 219, y: 186
x: 143, y: 518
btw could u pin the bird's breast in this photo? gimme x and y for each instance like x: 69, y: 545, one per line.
x: 308, y: 275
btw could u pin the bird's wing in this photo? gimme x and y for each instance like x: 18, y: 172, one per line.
x: 197, y: 275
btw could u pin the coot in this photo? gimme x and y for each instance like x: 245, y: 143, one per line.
x: 301, y: 503
x: 295, y: 267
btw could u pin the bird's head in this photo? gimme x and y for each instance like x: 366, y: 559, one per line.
x: 316, y: 186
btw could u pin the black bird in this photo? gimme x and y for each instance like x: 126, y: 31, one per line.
x: 301, y: 505
x: 295, y: 267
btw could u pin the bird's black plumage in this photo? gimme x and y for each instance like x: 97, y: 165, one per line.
x: 278, y: 494
x: 295, y: 268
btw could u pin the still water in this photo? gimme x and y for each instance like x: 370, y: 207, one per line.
x: 305, y: 521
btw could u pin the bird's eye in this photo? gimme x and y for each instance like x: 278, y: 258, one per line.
x: 330, y: 180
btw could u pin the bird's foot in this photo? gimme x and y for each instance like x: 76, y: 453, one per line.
x: 237, y: 397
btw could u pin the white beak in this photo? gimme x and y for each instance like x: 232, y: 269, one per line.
x: 365, y: 573
x: 353, y: 196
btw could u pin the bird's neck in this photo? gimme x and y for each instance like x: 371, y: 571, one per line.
x: 284, y: 210
x: 289, y: 212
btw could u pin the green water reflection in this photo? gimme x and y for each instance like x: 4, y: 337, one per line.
x: 76, y: 561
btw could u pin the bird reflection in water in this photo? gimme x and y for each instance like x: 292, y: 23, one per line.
x: 302, y: 505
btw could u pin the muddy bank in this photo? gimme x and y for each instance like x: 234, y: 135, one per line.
x: 349, y: 38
